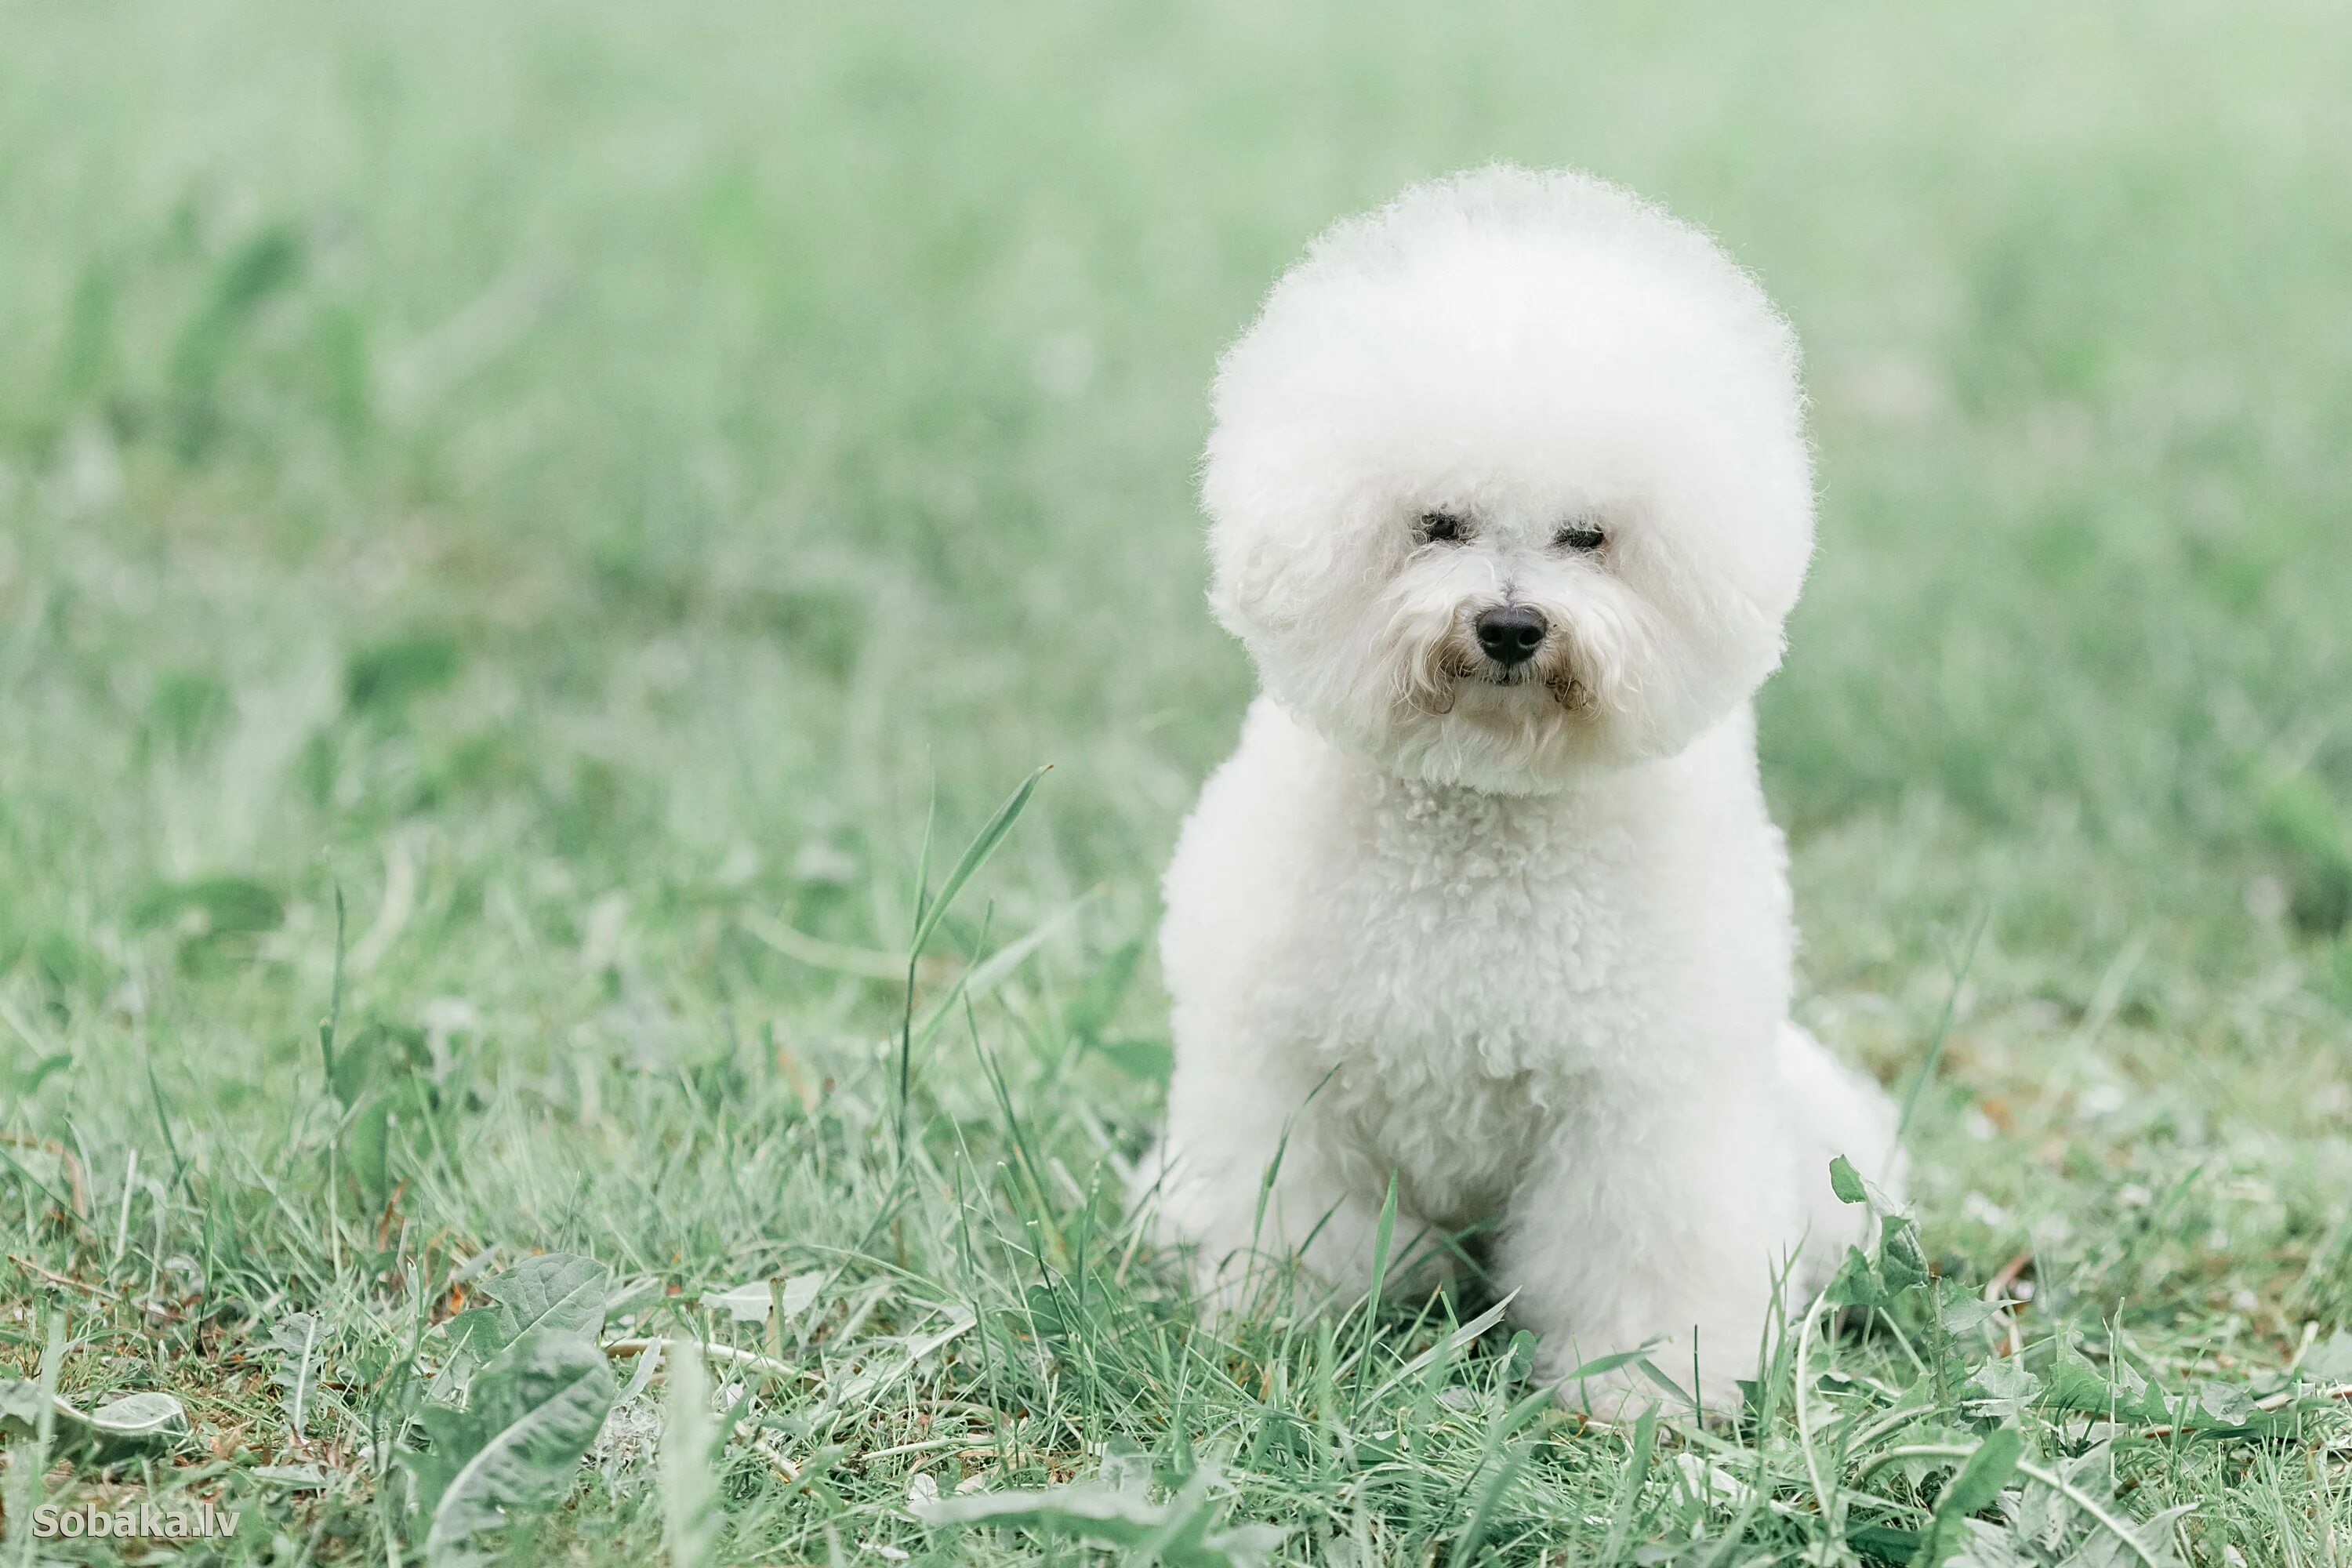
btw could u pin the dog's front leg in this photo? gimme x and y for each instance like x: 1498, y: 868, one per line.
x: 1251, y: 1183
x: 1656, y: 1218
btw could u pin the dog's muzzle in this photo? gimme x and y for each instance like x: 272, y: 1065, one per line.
x: 1510, y: 634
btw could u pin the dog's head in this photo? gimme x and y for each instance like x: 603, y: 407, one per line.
x: 1508, y: 481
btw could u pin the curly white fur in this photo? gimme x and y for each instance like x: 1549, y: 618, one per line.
x: 1517, y: 936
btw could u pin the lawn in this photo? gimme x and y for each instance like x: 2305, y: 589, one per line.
x: 531, y: 538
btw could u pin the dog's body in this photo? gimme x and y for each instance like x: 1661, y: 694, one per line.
x: 1510, y: 497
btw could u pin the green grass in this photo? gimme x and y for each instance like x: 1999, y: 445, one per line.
x: 586, y: 485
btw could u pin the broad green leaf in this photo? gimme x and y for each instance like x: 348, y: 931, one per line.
x: 2007, y: 1389
x: 293, y: 1478
x: 1885, y: 1543
x: 20, y: 1407
x: 464, y: 1342
x: 752, y: 1301
x: 1126, y: 1470
x: 558, y: 1292
x: 1980, y: 1479
x: 796, y: 1293
x: 2154, y: 1535
x: 1857, y: 1282
x: 136, y: 1422
x: 2228, y: 1404
x: 516, y: 1445
x: 1651, y: 1370
x: 1959, y: 1309
x: 2330, y: 1361
x: 135, y: 1416
x: 1121, y: 1516
x: 629, y: 1297
x: 296, y: 1341
x: 1846, y: 1182
x: 1901, y: 1262
x: 2076, y: 1384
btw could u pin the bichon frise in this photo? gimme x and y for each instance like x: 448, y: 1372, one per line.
x: 1509, y: 495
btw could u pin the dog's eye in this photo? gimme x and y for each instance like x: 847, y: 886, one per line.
x: 1443, y: 528
x: 1582, y: 537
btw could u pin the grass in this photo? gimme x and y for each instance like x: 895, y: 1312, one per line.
x: 589, y: 502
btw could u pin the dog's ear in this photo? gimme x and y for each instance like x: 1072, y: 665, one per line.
x: 1262, y: 581
x: 1284, y: 531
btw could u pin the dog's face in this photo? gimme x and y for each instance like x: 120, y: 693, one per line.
x: 1509, y: 482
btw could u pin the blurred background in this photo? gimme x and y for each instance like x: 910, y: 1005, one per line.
x: 531, y: 510
x: 582, y: 480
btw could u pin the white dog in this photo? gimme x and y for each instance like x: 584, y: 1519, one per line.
x: 1510, y: 496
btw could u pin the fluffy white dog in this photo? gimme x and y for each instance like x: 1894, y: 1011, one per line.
x: 1510, y: 495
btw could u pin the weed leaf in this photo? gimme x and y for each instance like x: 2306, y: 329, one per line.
x: 295, y: 1339
x: 1846, y: 1182
x: 134, y: 1424
x: 558, y: 1292
x: 1120, y: 1516
x: 515, y: 1446
x: 750, y: 1302
x: 1980, y: 1481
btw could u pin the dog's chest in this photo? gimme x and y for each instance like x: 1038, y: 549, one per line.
x: 1483, y: 936
x: 1459, y: 970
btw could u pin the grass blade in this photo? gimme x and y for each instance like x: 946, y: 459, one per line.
x: 689, y: 1487
x: 975, y: 855
x: 1936, y: 1043
x: 928, y: 911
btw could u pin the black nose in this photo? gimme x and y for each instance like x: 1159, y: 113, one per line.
x: 1511, y: 633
